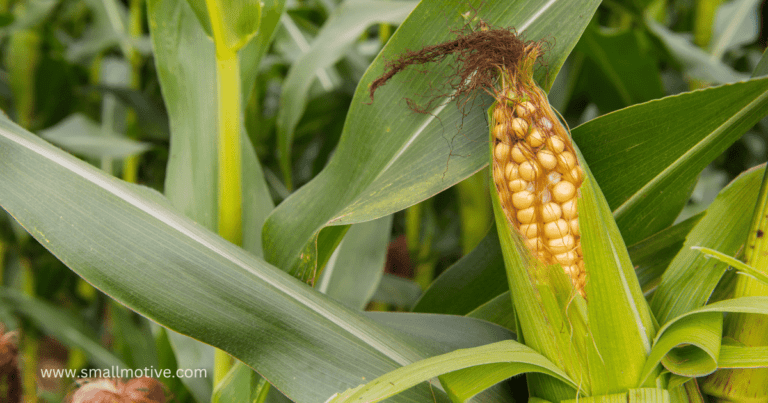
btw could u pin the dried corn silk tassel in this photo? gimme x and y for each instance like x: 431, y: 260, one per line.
x: 536, y: 172
x: 535, y: 168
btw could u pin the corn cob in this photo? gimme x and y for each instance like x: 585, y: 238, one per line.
x: 536, y: 172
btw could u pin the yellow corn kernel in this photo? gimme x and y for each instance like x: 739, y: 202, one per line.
x: 556, y: 229
x: 526, y: 216
x: 535, y: 138
x: 522, y: 199
x: 547, y: 159
x: 570, y: 209
x: 517, y: 185
x: 551, y: 212
x: 511, y: 171
x: 529, y: 231
x: 563, y: 191
x: 529, y: 170
x: 501, y: 152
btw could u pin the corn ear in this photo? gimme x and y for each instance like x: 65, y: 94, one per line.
x: 537, y: 176
x: 571, y: 281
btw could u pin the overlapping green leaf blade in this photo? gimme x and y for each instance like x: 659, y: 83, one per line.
x: 129, y: 243
x: 691, y: 277
x: 697, y: 337
x: 516, y: 359
x: 389, y: 157
x: 646, y: 157
x: 335, y: 38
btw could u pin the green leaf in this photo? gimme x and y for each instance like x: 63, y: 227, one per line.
x: 626, y: 63
x: 151, y: 115
x: 185, y: 60
x: 762, y: 66
x: 232, y: 22
x: 737, y: 24
x: 691, y: 277
x: 190, y: 353
x: 647, y: 157
x: 127, y: 241
x: 498, y: 310
x: 389, y: 157
x: 507, y: 357
x: 131, y: 337
x: 641, y: 395
x: 735, y: 263
x: 236, y: 385
x: 64, y: 326
x: 239, y: 20
x: 472, y: 281
x: 80, y: 135
x: 696, y: 337
x: 252, y: 54
x: 743, y: 357
x: 696, y: 62
x: 338, y: 34
x: 107, y: 29
x: 397, y: 291
x: 356, y: 267
x: 652, y: 255
x: 443, y: 333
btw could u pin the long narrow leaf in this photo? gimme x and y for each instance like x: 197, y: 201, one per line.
x: 129, y: 243
x: 691, y: 277
x: 389, y: 157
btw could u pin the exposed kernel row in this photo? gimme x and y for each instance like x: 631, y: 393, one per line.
x: 538, y: 176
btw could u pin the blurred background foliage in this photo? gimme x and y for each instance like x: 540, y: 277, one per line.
x: 80, y: 73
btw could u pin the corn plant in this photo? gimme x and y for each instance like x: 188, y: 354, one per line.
x: 588, y: 282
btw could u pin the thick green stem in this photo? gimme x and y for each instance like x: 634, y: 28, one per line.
x: 230, y: 175
x: 131, y: 164
x: 230, y: 199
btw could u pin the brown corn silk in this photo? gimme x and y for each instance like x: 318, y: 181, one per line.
x: 535, y: 169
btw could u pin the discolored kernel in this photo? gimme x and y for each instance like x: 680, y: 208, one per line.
x: 563, y: 191
x: 551, y: 212
x: 545, y: 123
x: 554, y: 177
x: 522, y: 199
x: 529, y: 170
x: 526, y: 216
x: 556, y: 229
x: 545, y: 196
x: 547, y: 159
